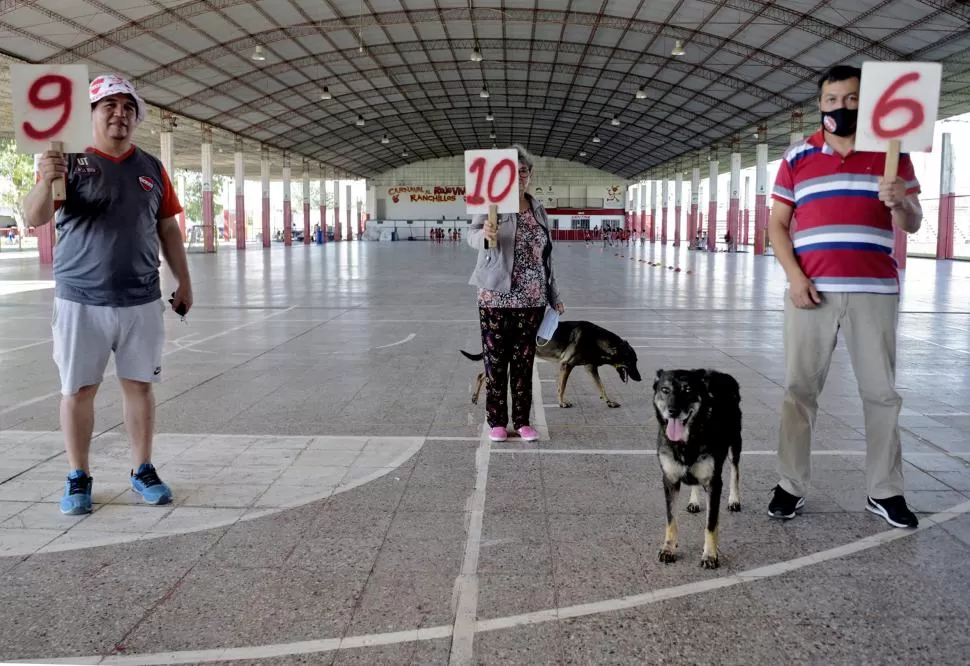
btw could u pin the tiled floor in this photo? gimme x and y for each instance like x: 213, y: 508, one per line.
x: 336, y: 503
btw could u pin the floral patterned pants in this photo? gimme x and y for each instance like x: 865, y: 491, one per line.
x: 509, y: 344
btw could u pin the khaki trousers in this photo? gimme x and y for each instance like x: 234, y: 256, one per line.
x: 868, y: 322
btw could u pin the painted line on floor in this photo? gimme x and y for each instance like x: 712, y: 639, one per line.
x: 34, y: 401
x: 399, y: 342
x: 524, y: 619
x: 22, y: 347
x: 753, y: 452
x: 253, y: 512
x: 466, y: 585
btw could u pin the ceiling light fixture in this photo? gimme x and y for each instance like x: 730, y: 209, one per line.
x: 582, y: 153
x: 489, y: 117
x: 484, y: 94
x: 404, y: 153
x: 596, y: 139
x: 360, y: 121
x: 641, y: 93
x: 615, y: 122
x: 476, y: 55
x: 678, y: 49
x: 492, y: 135
x: 259, y: 55
x: 325, y: 94
x: 385, y: 140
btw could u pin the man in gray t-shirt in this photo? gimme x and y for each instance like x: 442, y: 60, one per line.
x: 119, y: 212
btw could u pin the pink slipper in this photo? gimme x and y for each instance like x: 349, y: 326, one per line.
x: 528, y: 433
x: 498, y: 434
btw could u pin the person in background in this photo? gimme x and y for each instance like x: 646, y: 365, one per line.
x: 120, y: 211
x: 515, y: 283
x: 841, y: 276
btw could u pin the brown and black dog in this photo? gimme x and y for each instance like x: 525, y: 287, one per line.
x: 699, y: 414
x: 577, y: 343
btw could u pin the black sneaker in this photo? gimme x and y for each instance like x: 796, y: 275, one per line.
x: 894, y: 510
x: 783, y: 504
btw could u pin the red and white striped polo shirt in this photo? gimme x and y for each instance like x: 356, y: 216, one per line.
x: 843, y: 235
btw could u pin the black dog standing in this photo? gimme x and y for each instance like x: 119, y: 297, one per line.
x: 699, y: 412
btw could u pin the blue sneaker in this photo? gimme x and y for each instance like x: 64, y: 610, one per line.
x: 146, y: 483
x: 77, y: 493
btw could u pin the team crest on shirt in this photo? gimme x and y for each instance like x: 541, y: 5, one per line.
x: 146, y: 183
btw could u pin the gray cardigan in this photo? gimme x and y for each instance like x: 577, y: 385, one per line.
x: 493, y: 271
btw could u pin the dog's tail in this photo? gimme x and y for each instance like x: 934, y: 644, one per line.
x: 473, y: 357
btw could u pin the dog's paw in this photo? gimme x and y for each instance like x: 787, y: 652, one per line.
x: 693, y: 508
x: 709, y: 562
x: 734, y: 506
x: 612, y: 404
x: 667, y: 556
x: 474, y: 399
x: 565, y: 405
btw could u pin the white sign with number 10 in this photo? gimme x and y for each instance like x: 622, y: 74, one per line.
x: 491, y: 179
x: 898, y: 101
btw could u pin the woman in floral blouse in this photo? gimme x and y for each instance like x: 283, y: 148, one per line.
x: 516, y: 283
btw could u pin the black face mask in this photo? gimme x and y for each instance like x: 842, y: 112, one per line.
x: 840, y: 122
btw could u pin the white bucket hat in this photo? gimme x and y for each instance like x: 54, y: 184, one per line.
x: 111, y: 84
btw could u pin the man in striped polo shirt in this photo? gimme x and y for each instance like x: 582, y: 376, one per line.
x: 841, y: 276
x: 119, y: 213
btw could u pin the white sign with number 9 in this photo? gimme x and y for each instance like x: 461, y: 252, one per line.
x: 491, y: 178
x: 50, y: 103
x: 898, y: 101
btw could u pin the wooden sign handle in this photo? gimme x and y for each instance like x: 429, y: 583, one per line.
x: 892, y: 161
x: 59, y: 186
x: 493, y: 218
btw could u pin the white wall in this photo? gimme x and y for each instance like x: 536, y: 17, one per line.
x: 555, y: 182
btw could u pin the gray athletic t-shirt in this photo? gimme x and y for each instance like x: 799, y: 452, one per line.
x: 107, y: 250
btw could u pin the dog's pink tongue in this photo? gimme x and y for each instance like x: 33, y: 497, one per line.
x: 675, y: 430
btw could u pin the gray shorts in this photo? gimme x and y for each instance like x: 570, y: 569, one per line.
x: 85, y: 336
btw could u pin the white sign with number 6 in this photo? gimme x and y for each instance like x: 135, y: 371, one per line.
x: 491, y: 179
x: 898, y: 101
x: 50, y: 104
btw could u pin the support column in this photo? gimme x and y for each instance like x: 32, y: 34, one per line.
x: 306, y: 201
x: 746, y: 214
x: 350, y: 212
x: 46, y: 234
x: 678, y: 195
x: 797, y: 128
x: 712, y: 207
x: 180, y: 188
x: 287, y: 202
x: 323, y: 205
x: 761, y: 192
x: 208, y: 212
x: 664, y: 205
x: 734, y: 204
x: 166, y: 142
x: 653, y: 211
x: 264, y: 178
x: 240, y: 183
x: 642, y: 207
x: 944, y: 228
x: 337, y: 231
x: 695, y: 199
